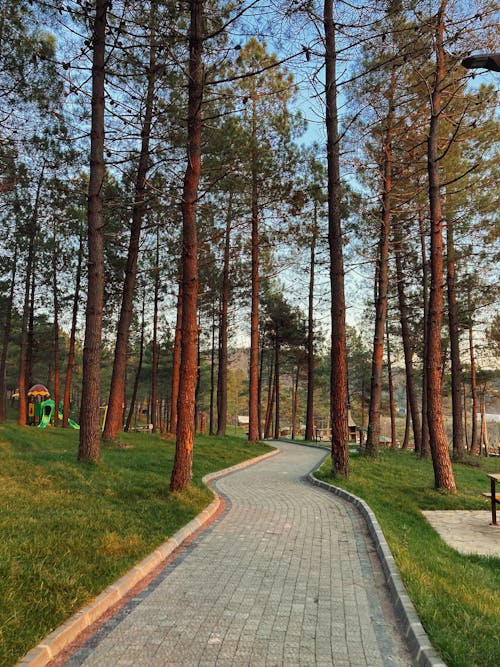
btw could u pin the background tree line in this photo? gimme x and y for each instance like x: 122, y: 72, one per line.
x: 123, y: 251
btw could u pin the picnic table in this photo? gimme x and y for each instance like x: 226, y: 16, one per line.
x: 494, y: 497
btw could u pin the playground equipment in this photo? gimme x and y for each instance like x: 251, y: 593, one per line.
x: 36, y: 396
x: 41, y: 408
x: 47, y: 417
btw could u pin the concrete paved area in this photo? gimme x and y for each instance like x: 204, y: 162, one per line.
x: 288, y: 575
x: 467, y: 531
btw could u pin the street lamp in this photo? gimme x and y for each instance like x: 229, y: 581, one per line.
x: 489, y: 61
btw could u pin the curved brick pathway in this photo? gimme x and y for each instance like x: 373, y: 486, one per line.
x: 286, y: 576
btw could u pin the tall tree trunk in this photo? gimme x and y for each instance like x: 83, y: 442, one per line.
x: 466, y: 426
x: 133, y: 399
x: 253, y: 394
x: 182, y: 471
x: 222, y: 375
x: 474, y: 446
x: 484, y: 430
x: 259, y: 393
x: 338, y: 376
x: 155, y: 355
x: 176, y: 360
x: 373, y: 433
x: 23, y: 349
x: 57, y: 378
x: 411, y: 393
x: 295, y: 403
x: 270, y: 401
x: 6, y: 338
x: 309, y: 434
x: 425, y: 447
x: 90, y: 428
x: 443, y: 471
x: 72, y: 335
x: 456, y: 364
x: 212, y: 375
x: 277, y: 387
x: 31, y: 334
x: 392, y: 406
x: 114, y: 416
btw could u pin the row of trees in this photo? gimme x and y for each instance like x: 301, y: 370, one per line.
x: 143, y: 80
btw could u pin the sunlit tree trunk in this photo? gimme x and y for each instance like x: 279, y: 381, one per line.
x: 443, y: 471
x: 338, y: 376
x: 182, y: 470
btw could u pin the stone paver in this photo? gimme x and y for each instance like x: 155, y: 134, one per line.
x: 288, y: 575
x: 467, y: 531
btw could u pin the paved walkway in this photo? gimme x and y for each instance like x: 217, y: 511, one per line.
x: 288, y: 575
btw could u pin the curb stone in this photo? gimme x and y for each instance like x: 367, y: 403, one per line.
x: 60, y: 638
x: 422, y: 651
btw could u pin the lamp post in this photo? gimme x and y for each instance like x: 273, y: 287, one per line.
x: 489, y: 61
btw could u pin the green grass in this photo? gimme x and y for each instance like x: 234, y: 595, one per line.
x: 67, y: 530
x: 457, y: 597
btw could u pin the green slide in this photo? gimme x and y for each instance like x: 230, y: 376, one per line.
x: 47, y: 413
x: 71, y: 423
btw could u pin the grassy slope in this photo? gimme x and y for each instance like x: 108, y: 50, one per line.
x: 457, y: 597
x: 68, y: 530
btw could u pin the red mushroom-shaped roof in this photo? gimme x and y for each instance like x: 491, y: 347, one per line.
x: 38, y: 390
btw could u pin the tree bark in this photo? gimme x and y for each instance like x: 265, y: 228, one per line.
x: 253, y: 397
x: 211, y: 418
x: 222, y: 375
x: 176, y: 360
x: 133, y: 399
x: 456, y: 364
x: 425, y: 447
x: 407, y: 344
x: 155, y: 350
x: 443, y: 471
x: 277, y: 387
x: 182, y: 470
x: 57, y: 377
x: 23, y: 349
x: 6, y: 338
x: 90, y: 430
x: 309, y: 434
x: 382, y: 284
x: 392, y: 406
x: 338, y: 376
x: 474, y: 446
x: 114, y: 416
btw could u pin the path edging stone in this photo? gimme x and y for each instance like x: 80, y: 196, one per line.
x: 60, y: 638
x: 422, y: 651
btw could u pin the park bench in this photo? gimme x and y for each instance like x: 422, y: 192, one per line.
x: 494, y: 497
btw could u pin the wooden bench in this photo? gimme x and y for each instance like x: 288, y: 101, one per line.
x: 494, y: 497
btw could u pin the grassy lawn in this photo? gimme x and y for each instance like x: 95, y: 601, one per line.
x: 457, y: 597
x: 68, y: 530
